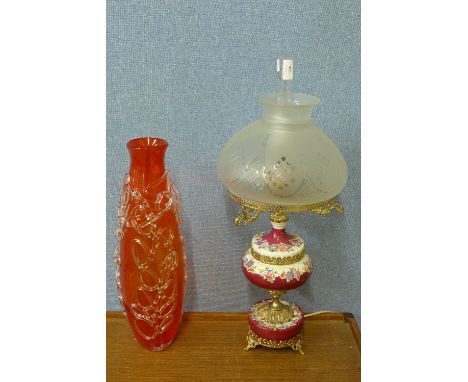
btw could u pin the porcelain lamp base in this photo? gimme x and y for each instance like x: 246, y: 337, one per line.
x: 271, y: 328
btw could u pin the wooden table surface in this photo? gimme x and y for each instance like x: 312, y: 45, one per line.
x: 209, y: 347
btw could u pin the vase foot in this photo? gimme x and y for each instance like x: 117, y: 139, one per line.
x: 156, y: 348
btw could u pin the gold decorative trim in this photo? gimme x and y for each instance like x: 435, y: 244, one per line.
x: 251, y: 209
x: 279, y: 217
x: 274, y: 312
x: 277, y: 260
x: 245, y: 216
x: 294, y: 343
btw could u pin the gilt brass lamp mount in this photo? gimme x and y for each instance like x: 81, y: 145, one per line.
x: 277, y: 260
x: 251, y: 210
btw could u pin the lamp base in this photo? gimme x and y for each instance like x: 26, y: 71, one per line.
x: 276, y: 261
x: 294, y: 343
x: 276, y: 334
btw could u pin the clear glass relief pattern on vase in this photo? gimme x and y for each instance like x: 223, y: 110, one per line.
x: 150, y: 259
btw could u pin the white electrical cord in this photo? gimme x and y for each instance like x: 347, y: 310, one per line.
x: 319, y: 312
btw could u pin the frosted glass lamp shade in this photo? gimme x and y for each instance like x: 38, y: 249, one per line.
x: 282, y: 159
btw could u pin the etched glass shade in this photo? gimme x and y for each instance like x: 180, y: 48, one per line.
x: 283, y: 159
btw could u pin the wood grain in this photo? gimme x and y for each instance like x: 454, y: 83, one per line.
x: 209, y: 347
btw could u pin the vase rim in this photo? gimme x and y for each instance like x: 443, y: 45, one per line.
x: 300, y: 100
x: 146, y: 143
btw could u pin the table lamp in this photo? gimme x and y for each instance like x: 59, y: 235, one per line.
x: 281, y: 163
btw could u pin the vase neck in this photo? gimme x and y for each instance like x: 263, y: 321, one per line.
x: 147, y: 168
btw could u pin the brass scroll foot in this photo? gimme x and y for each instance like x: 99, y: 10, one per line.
x: 294, y: 343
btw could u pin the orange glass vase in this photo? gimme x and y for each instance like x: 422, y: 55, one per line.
x: 150, y: 256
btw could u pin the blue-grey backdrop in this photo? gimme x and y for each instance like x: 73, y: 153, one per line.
x: 191, y: 72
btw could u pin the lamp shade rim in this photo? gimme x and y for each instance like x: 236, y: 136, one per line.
x: 299, y: 100
x: 285, y: 206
